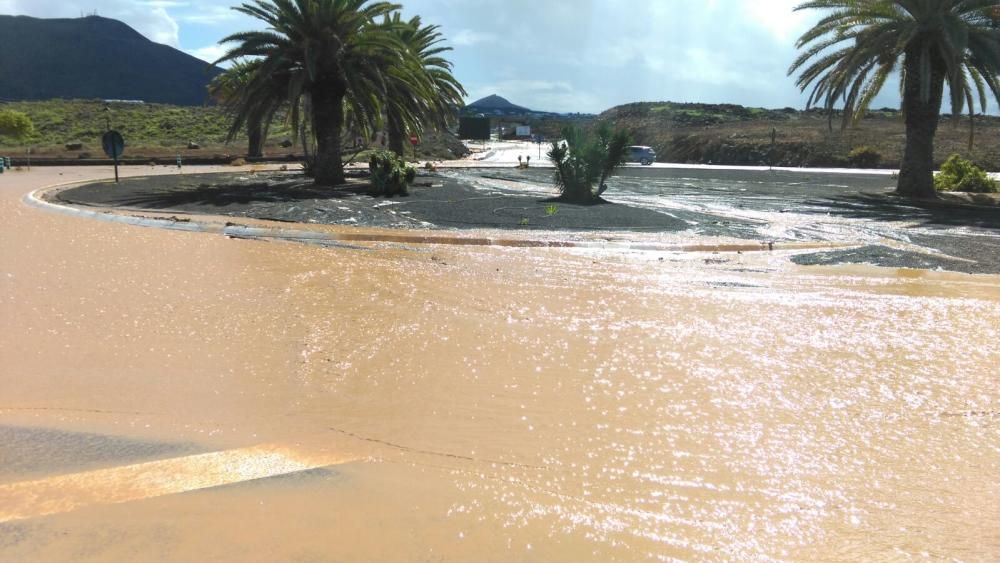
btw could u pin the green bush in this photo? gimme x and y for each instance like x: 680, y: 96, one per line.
x: 585, y: 160
x: 961, y: 175
x: 390, y: 173
x: 864, y: 157
x: 15, y: 124
x: 142, y: 125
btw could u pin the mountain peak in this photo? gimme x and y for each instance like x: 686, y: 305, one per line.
x: 495, y: 102
x: 95, y: 57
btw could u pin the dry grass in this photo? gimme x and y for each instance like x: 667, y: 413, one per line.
x: 803, y: 138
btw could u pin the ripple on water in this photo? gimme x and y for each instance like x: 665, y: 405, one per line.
x: 790, y: 416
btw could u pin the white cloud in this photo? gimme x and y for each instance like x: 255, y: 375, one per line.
x: 469, y: 37
x: 168, y: 4
x: 209, y: 53
x: 209, y: 15
x: 149, y: 19
x: 608, y: 52
x: 778, y: 17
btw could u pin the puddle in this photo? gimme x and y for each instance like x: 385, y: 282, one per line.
x: 497, y: 402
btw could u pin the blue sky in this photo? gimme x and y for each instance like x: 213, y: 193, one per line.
x: 555, y: 55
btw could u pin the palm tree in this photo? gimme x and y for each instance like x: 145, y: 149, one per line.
x: 316, y: 52
x: 256, y: 113
x: 421, y: 90
x: 853, y: 50
x: 586, y: 160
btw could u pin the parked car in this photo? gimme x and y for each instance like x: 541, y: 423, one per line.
x: 644, y: 155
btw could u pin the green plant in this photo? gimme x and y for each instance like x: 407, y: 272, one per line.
x: 961, y: 175
x: 419, y: 90
x: 390, y: 173
x: 851, y: 52
x: 227, y: 87
x: 864, y: 157
x: 523, y: 222
x: 15, y: 124
x: 585, y: 160
x: 551, y: 210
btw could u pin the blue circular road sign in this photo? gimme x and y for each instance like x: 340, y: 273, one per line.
x: 113, y: 143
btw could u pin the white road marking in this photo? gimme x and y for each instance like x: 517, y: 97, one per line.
x: 65, y: 493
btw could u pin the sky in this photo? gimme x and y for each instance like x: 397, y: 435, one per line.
x: 548, y: 55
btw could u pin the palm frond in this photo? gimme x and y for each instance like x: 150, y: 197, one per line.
x: 849, y: 54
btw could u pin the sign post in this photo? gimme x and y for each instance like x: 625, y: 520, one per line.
x: 774, y: 139
x: 114, y: 145
x: 414, y: 140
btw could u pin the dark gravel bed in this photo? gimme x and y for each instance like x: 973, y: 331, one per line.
x: 878, y: 255
x: 435, y: 202
x: 958, y: 238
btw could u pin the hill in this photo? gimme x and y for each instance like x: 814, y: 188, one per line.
x: 737, y: 135
x: 95, y: 57
x: 495, y: 105
x: 160, y: 131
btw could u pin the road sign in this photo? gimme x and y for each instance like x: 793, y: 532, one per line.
x: 114, y: 145
x: 414, y: 139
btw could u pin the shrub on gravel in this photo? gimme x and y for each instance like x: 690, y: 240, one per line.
x: 961, y: 175
x: 864, y: 157
x: 390, y: 173
x: 585, y: 160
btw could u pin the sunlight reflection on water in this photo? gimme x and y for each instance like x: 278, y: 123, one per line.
x: 673, y: 418
x: 543, y: 403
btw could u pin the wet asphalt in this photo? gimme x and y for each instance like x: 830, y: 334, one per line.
x: 27, y: 452
x: 759, y: 205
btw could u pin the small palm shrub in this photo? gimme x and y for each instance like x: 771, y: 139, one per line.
x: 961, y: 175
x: 864, y: 157
x: 585, y: 160
x: 390, y: 173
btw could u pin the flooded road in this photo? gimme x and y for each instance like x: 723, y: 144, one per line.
x: 840, y: 207
x: 185, y: 396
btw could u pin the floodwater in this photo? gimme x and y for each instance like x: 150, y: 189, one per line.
x: 187, y: 396
x: 779, y: 205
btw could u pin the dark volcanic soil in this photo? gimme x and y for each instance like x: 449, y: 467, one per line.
x: 840, y: 208
x: 435, y: 202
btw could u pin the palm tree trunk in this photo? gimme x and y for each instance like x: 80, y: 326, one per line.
x: 916, y: 175
x: 328, y: 121
x: 396, y: 133
x: 255, y: 147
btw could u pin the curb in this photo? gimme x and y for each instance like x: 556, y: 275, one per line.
x: 189, y: 223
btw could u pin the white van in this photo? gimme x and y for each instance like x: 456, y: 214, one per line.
x: 643, y: 155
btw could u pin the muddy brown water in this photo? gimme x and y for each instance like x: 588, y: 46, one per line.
x: 440, y: 402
